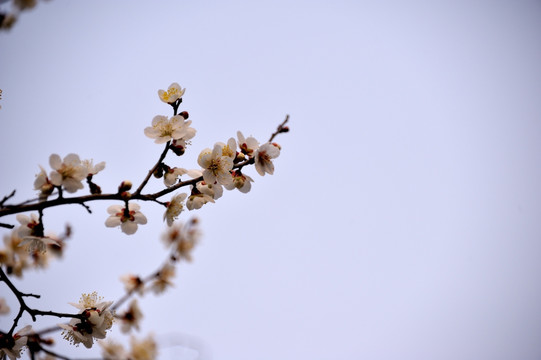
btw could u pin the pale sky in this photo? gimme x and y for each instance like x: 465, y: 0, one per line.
x: 402, y: 220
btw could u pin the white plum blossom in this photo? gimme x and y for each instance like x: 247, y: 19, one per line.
x: 173, y: 93
x: 43, y: 184
x: 174, y: 208
x: 263, y: 158
x: 30, y: 226
x: 131, y: 317
x: 196, y: 201
x: 14, y: 346
x: 127, y: 220
x: 164, y: 129
x: 171, y: 176
x: 163, y: 279
x: 68, y: 172
x: 132, y: 283
x: 97, y: 319
x: 145, y: 349
x: 111, y: 350
x: 216, y: 166
x: 31, y: 231
x: 38, y: 245
x: 213, y: 190
x: 92, y: 169
x: 229, y: 149
x: 183, y: 238
x: 247, y: 145
x: 240, y: 181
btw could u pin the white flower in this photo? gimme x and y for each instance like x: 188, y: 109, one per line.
x: 173, y: 93
x: 196, y: 201
x: 174, y: 208
x: 264, y: 156
x: 31, y: 231
x: 12, y: 256
x: 213, y: 190
x: 96, y: 321
x: 240, y: 181
x: 14, y: 346
x: 111, y: 350
x: 145, y: 349
x: 163, y: 279
x: 92, y: 169
x: 247, y: 146
x: 229, y: 149
x: 182, y: 238
x: 30, y: 226
x: 69, y: 173
x: 43, y: 184
x: 132, y: 283
x: 37, y: 244
x: 164, y: 129
x: 172, y: 175
x: 216, y: 166
x: 127, y: 220
x: 131, y: 317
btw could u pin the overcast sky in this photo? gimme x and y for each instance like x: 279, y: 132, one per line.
x: 402, y: 220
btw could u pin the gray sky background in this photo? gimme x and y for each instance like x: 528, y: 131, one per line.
x: 402, y: 221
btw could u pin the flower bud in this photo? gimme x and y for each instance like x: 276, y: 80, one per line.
x: 94, y: 189
x: 47, y: 189
x: 177, y: 147
x: 158, y: 173
x: 239, y: 157
x: 124, y: 186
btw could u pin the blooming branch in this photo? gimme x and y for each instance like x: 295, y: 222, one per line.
x: 222, y: 166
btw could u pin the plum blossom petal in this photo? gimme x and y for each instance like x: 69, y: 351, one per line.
x: 174, y: 208
x: 127, y: 220
x: 68, y: 172
x: 247, y: 145
x: 216, y: 166
x: 98, y: 318
x: 263, y: 158
x: 173, y: 93
x: 240, y: 181
x: 164, y: 129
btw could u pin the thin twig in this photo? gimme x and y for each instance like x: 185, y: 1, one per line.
x: 23, y: 307
x: 281, y: 128
x: 162, y: 156
x: 7, y: 197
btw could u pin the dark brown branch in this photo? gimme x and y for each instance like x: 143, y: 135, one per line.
x: 151, y: 171
x: 23, y: 307
x: 7, y: 197
x: 15, y: 209
x: 281, y: 129
x: 9, y: 226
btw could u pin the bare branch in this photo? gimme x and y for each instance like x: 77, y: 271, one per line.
x: 281, y: 129
x: 7, y: 197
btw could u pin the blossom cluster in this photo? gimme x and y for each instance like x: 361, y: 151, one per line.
x: 28, y: 245
x: 220, y: 167
x: 24, y: 250
x: 67, y: 174
x: 13, y: 345
x: 140, y: 349
x: 96, y: 319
